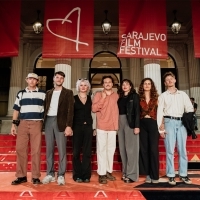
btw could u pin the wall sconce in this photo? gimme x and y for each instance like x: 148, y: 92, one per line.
x: 106, y: 24
x: 37, y: 25
x: 176, y: 25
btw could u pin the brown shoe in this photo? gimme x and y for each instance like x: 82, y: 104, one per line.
x: 102, y: 179
x: 110, y: 177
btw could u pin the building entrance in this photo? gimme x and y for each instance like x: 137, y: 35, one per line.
x: 103, y: 64
x: 5, y: 65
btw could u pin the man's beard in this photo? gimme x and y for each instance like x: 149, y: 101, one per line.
x: 58, y: 84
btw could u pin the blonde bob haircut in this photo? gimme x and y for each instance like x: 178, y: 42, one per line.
x: 84, y: 80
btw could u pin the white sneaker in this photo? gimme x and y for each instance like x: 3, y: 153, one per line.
x: 155, y: 181
x: 61, y: 180
x: 48, y: 179
x: 148, y: 179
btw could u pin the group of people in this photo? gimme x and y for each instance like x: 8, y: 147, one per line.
x: 139, y: 119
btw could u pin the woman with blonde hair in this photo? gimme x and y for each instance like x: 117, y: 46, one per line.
x: 149, y: 135
x: 82, y: 132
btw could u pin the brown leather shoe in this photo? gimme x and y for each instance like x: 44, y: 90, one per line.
x: 102, y: 179
x: 110, y: 177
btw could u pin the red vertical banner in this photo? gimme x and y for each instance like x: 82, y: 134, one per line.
x: 142, y: 29
x: 9, y: 27
x: 68, y: 31
x: 196, y: 26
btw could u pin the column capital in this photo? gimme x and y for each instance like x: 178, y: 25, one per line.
x: 63, y: 61
x: 150, y: 61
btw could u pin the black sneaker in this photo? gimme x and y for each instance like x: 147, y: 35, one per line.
x: 86, y: 180
x: 19, y: 180
x: 128, y: 180
x: 172, y: 181
x: 185, y: 180
x: 110, y: 177
x: 123, y: 177
x: 78, y: 180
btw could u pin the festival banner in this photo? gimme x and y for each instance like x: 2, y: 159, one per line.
x: 196, y: 26
x: 9, y: 27
x: 142, y: 29
x: 68, y: 31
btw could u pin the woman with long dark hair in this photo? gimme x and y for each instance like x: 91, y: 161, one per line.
x: 149, y: 135
x: 128, y: 133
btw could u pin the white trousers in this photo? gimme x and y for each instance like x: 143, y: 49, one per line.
x: 106, y: 145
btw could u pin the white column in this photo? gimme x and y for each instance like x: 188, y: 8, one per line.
x: 76, y: 73
x: 135, y: 75
x: 15, y: 79
x: 64, y: 65
x: 194, y: 76
x: 152, y: 70
x: 26, y: 56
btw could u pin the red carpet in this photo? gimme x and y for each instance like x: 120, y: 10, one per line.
x: 116, y: 190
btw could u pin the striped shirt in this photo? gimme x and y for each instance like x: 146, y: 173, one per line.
x: 30, y: 104
x: 173, y: 104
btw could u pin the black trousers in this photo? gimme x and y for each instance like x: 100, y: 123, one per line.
x: 149, y: 152
x: 82, y: 139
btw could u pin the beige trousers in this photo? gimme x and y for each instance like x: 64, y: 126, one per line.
x: 106, y: 145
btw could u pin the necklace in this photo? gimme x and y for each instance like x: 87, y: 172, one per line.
x: 82, y: 97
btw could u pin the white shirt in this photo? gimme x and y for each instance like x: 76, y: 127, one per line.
x: 173, y: 104
x: 53, y: 109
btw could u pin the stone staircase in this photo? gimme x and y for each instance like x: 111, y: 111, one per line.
x: 8, y: 154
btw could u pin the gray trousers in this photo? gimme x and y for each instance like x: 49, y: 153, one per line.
x: 51, y: 134
x: 129, y: 149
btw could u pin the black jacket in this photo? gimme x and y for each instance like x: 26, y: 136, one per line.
x: 133, y: 110
x: 189, y: 123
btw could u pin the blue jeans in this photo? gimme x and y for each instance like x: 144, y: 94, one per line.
x: 175, y: 134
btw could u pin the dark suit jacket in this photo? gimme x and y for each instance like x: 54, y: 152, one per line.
x: 133, y: 110
x: 65, y: 108
x: 189, y: 123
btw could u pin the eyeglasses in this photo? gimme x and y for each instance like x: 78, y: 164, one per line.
x: 82, y: 79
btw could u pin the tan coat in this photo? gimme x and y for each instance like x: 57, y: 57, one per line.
x: 65, y: 108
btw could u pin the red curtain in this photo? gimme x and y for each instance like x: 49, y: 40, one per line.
x: 196, y: 26
x: 142, y: 29
x: 68, y: 31
x: 9, y: 27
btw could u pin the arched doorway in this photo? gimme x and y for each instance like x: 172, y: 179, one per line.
x: 167, y: 65
x: 5, y: 66
x: 45, y: 68
x: 104, y: 63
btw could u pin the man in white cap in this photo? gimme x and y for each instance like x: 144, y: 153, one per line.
x: 28, y: 116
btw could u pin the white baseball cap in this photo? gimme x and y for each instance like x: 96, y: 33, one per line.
x: 32, y: 75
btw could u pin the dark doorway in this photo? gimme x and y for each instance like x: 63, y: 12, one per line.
x: 104, y: 63
x: 5, y: 66
x: 47, y: 77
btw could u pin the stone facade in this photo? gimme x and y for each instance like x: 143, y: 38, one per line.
x: 181, y: 50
